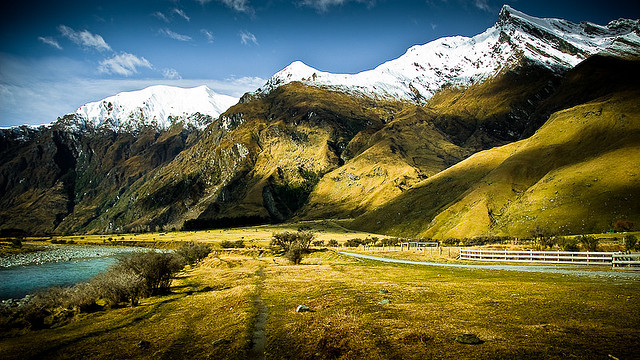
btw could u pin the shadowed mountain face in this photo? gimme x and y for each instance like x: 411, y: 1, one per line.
x: 576, y: 174
x: 57, y: 180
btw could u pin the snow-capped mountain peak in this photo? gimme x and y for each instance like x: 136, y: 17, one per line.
x: 424, y: 69
x: 157, y: 106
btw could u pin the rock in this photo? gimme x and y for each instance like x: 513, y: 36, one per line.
x: 143, y: 344
x: 383, y: 302
x: 220, y: 341
x: 302, y: 308
x: 384, y: 291
x: 469, y: 339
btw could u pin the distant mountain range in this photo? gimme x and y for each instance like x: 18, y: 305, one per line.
x: 533, y: 123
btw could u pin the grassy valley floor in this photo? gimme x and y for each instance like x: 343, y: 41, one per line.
x: 217, y: 310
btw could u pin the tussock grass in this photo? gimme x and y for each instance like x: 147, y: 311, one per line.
x: 210, y: 313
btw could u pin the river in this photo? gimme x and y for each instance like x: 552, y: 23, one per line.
x: 55, y: 265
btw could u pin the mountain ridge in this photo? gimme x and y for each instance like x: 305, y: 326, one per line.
x: 461, y: 61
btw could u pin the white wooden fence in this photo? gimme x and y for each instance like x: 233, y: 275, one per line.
x: 620, y: 259
x: 418, y: 244
x: 556, y: 257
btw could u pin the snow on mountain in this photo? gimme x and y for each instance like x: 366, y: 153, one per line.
x: 423, y: 69
x: 158, y: 106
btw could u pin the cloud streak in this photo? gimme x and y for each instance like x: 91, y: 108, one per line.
x: 171, y: 74
x: 161, y: 16
x: 50, y: 41
x: 242, y: 6
x: 182, y: 14
x: 247, y: 38
x: 84, y: 38
x: 324, y: 5
x: 208, y: 34
x: 482, y: 5
x: 124, y: 64
x: 174, y: 35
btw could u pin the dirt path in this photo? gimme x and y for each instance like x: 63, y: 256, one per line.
x: 259, y: 337
x: 555, y: 269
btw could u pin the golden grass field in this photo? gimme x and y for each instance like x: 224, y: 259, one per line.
x: 212, y: 311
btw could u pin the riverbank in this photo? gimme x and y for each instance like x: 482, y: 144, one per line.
x: 48, y: 253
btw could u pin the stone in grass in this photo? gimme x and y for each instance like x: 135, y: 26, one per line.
x: 384, y: 291
x: 469, y: 339
x: 143, y: 344
x: 383, y: 302
x: 302, y: 308
x: 220, y: 341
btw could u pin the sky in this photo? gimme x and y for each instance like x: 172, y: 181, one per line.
x: 56, y: 56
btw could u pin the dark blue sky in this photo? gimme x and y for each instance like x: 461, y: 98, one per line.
x: 58, y: 55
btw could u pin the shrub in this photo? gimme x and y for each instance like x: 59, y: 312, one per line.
x: 567, y: 244
x: 156, y: 269
x: 192, y: 252
x: 238, y: 244
x: 450, y: 242
x: 354, y: 242
x: 292, y: 244
x: 318, y: 243
x: 630, y: 242
x: 332, y: 243
x: 623, y: 225
x: 294, y: 255
x: 283, y: 241
x: 389, y: 241
x: 590, y: 243
x: 119, y: 286
x: 16, y: 243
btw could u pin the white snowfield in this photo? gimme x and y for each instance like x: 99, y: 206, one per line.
x: 424, y: 69
x: 157, y: 106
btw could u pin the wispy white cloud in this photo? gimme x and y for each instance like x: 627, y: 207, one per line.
x: 50, y: 41
x: 174, y: 35
x: 324, y: 5
x: 181, y: 13
x: 237, y: 5
x: 246, y: 38
x: 161, y: 16
x: 171, y: 74
x: 124, y: 64
x: 84, y: 38
x: 482, y: 5
x: 208, y: 34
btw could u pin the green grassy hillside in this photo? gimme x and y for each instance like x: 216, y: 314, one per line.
x: 576, y: 174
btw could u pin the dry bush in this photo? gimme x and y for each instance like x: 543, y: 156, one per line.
x: 192, y: 252
x: 157, y: 269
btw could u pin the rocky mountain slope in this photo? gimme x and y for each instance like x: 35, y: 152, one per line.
x: 457, y: 145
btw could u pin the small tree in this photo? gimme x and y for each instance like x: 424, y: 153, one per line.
x: 333, y: 243
x: 157, y: 269
x: 542, y: 236
x: 630, y: 243
x: 590, y: 243
x: 623, y: 225
x: 292, y: 244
